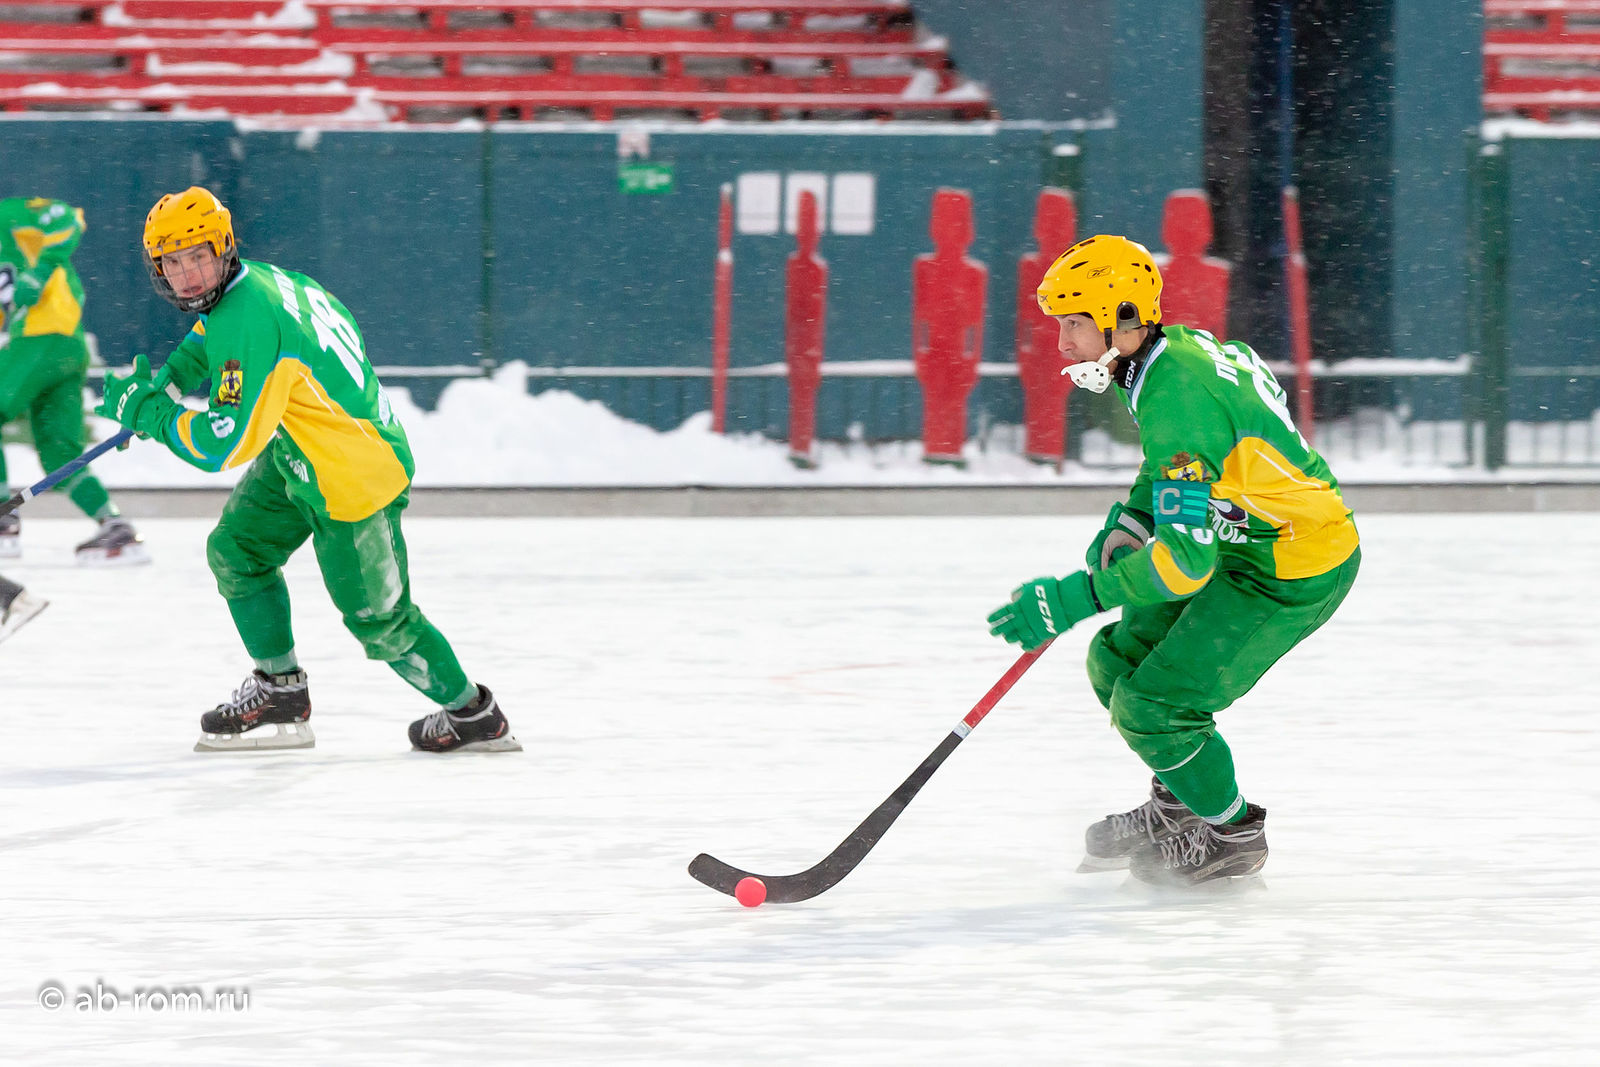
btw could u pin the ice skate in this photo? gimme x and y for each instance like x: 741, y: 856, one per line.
x: 116, y: 545
x: 14, y: 613
x: 1205, y: 854
x: 10, y: 536
x: 1108, y: 843
x: 479, y: 727
x: 282, y: 701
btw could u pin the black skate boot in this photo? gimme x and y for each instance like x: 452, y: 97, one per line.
x: 281, y: 700
x: 10, y: 535
x: 116, y: 545
x: 478, y: 727
x: 1108, y: 843
x: 1206, y: 854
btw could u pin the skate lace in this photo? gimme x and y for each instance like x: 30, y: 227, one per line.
x: 1135, y: 822
x: 1142, y: 821
x: 1187, y: 850
x: 438, y: 725
x: 249, y: 695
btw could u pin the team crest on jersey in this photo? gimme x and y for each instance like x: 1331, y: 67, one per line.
x: 1186, y: 468
x: 230, y: 387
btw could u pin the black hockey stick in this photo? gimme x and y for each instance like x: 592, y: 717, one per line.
x: 788, y: 888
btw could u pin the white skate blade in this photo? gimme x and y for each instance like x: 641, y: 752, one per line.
x: 1238, y: 885
x: 21, y: 609
x: 1101, y: 864
x: 289, y: 735
x: 499, y: 744
x: 128, y: 556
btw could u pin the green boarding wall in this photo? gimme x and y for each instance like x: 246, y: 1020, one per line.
x: 1552, y: 285
x: 467, y: 248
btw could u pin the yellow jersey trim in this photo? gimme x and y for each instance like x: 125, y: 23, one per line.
x: 57, y: 310
x: 1315, y: 533
x: 357, y: 470
x: 1171, y: 575
x: 32, y: 241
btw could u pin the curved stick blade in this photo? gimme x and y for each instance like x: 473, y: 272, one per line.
x: 788, y: 888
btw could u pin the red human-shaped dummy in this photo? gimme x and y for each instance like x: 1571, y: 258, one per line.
x: 947, y: 303
x: 804, y: 328
x: 1039, y: 365
x: 1194, y: 285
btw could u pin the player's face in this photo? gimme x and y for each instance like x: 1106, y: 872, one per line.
x: 192, y: 271
x: 1081, y: 340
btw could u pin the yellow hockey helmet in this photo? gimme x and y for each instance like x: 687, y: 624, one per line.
x: 1111, y: 279
x: 184, y: 220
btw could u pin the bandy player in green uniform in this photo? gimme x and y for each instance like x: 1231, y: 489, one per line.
x: 44, y: 362
x: 293, y: 395
x: 1232, y: 547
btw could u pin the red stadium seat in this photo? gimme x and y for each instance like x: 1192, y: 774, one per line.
x: 446, y: 59
x: 1541, y: 58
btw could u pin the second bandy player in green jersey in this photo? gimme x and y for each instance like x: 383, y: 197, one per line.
x: 44, y: 363
x: 1233, y: 545
x: 293, y: 395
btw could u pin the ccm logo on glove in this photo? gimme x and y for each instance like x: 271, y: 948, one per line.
x: 1044, y: 609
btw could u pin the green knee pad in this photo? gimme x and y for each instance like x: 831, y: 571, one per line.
x: 234, y: 582
x: 1106, y: 665
x: 389, y: 635
x: 1160, y: 734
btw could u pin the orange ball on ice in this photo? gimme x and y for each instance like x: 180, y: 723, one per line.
x: 750, y: 892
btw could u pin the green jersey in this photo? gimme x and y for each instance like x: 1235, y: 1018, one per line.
x: 40, y: 293
x: 290, y: 377
x: 1226, y: 476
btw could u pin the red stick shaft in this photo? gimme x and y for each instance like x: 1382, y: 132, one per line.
x: 1000, y: 688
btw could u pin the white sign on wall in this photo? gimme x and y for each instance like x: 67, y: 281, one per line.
x: 846, y: 202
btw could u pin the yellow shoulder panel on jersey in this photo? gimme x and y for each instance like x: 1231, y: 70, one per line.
x: 32, y: 241
x: 1315, y: 533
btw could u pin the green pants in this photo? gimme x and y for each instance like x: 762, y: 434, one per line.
x: 1165, y: 670
x: 43, y: 378
x: 363, y: 567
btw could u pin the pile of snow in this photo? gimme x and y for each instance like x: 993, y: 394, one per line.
x: 490, y: 432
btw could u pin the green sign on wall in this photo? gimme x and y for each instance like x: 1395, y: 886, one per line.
x: 636, y: 178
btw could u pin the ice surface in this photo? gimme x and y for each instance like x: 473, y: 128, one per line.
x: 753, y: 688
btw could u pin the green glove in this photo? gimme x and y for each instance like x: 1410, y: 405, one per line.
x: 1041, y: 610
x: 1124, y: 533
x: 135, y: 401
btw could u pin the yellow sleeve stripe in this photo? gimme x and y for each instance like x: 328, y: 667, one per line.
x: 186, y: 435
x: 266, y: 414
x: 1171, y: 575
